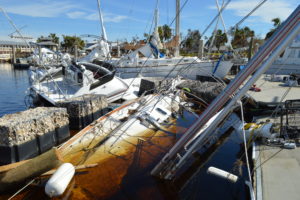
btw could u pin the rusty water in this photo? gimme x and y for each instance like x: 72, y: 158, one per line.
x: 124, y: 172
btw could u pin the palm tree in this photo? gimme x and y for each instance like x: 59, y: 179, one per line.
x: 240, y: 38
x: 54, y: 38
x: 165, y: 32
x: 276, y: 23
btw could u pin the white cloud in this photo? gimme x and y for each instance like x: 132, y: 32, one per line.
x: 269, y: 10
x: 93, y: 16
x: 107, y: 17
x: 49, y: 9
x: 114, y: 18
x: 76, y: 14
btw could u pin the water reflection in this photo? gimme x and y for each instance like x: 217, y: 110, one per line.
x: 13, y: 85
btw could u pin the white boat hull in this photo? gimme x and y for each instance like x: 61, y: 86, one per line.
x: 186, y: 70
x: 284, y: 69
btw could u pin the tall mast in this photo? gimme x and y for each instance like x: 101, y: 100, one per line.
x: 177, y: 29
x: 156, y: 18
x: 101, y: 22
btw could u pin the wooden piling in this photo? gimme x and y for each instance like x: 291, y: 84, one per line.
x: 13, y: 61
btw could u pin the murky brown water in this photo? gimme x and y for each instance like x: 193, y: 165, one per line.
x: 124, y: 172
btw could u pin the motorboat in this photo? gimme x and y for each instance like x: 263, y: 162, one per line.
x: 83, y: 78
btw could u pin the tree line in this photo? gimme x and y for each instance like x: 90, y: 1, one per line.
x: 241, y: 37
x: 68, y: 44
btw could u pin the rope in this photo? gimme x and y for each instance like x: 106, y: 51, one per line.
x: 20, y: 190
x: 246, y: 151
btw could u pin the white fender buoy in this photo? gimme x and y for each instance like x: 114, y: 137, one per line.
x: 59, y: 181
x: 223, y: 174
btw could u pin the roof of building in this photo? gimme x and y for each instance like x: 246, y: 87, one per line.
x: 44, y: 39
x: 46, y: 43
x: 12, y: 43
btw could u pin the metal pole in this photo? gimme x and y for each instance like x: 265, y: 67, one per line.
x: 177, y: 29
x: 200, y: 52
x: 104, y: 36
x: 76, y: 53
x: 250, y: 48
x: 260, y: 63
x: 40, y: 54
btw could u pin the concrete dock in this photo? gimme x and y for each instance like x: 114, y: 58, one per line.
x: 274, y: 91
x: 276, y: 169
x: 277, y: 174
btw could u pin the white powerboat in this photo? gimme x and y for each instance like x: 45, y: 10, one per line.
x: 84, y: 78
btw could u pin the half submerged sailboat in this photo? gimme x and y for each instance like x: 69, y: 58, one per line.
x: 126, y: 143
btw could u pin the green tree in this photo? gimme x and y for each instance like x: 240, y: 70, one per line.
x: 191, y: 41
x: 241, y: 37
x: 165, y: 32
x: 147, y: 36
x: 69, y: 43
x: 220, y: 39
x: 40, y: 39
x: 54, y: 38
x: 276, y: 24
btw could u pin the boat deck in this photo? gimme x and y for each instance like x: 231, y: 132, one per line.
x: 278, y: 173
x: 274, y: 91
x: 58, y: 89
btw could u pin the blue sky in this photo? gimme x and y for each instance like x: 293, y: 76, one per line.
x: 129, y: 18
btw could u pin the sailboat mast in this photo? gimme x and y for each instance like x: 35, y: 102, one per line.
x: 177, y: 33
x: 101, y: 22
x: 155, y: 19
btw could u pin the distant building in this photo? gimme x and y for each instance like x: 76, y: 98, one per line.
x: 6, y: 49
x: 47, y: 43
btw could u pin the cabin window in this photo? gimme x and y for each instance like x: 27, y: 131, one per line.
x: 298, y: 54
x: 79, y: 79
x: 161, y: 111
x: 186, y: 60
x: 292, y: 54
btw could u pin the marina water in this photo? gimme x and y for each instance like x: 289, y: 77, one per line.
x: 13, y: 86
x: 196, y: 184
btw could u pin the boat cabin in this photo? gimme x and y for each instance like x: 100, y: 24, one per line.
x: 88, y: 74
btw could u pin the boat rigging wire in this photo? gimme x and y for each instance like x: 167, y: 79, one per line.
x: 250, y: 13
x: 20, y: 190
